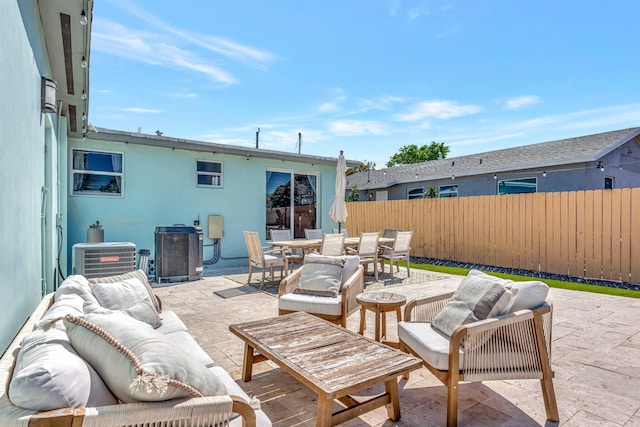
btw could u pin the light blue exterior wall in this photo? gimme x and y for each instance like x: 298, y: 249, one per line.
x: 160, y: 190
x: 28, y: 171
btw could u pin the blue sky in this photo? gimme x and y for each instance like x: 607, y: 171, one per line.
x: 366, y: 76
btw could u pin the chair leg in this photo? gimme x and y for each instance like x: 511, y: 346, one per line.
x: 408, y: 267
x: 262, y: 280
x: 549, y: 396
x: 250, y: 270
x: 452, y: 400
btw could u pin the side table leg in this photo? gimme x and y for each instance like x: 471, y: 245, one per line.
x: 378, y: 315
x: 383, y: 333
x: 393, y: 408
x: 363, y: 314
x: 247, y: 363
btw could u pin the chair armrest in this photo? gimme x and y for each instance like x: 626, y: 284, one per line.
x: 385, y: 247
x: 352, y: 287
x: 425, y: 309
x: 351, y: 250
x: 289, y: 283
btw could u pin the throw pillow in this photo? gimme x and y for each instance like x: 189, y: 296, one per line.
x: 142, y: 311
x: 530, y: 294
x: 129, y: 295
x: 321, y: 276
x: 76, y: 285
x: 476, y: 298
x: 138, y: 274
x: 137, y: 362
x: 49, y: 375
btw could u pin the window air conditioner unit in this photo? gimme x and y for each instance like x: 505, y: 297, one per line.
x: 103, y: 259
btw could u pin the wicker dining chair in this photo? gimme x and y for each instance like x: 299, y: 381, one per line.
x: 263, y: 259
x: 293, y: 255
x: 332, y: 244
x: 367, y: 251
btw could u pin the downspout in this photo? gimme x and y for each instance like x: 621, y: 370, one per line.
x: 59, y: 230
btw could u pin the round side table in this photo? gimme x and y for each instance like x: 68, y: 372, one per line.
x: 380, y: 303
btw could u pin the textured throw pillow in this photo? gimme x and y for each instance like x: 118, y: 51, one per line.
x: 321, y: 276
x: 65, y: 303
x: 137, y: 274
x: 77, y: 285
x: 142, y: 311
x: 129, y: 295
x: 137, y: 362
x: 351, y: 264
x: 476, y: 298
x: 530, y: 294
x: 49, y: 375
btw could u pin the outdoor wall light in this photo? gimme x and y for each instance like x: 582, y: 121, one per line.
x: 48, y: 95
x: 495, y: 176
x: 544, y: 173
x: 600, y: 166
x: 84, y: 63
x: 84, y: 95
x: 84, y: 117
x: 83, y: 18
x: 453, y: 177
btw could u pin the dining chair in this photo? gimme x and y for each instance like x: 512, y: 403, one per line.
x: 390, y: 232
x: 313, y: 233
x: 293, y: 255
x: 263, y: 259
x: 367, y: 251
x: 399, y: 251
x: 332, y: 244
x: 343, y: 231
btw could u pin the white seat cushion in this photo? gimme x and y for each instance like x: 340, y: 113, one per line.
x: 170, y: 323
x: 311, y: 304
x: 431, y: 345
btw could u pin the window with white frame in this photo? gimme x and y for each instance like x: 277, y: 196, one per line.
x: 209, y: 174
x: 516, y: 186
x: 97, y: 173
x: 448, y: 191
x: 415, y: 193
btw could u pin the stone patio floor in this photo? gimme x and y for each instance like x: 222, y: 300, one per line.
x: 595, y: 356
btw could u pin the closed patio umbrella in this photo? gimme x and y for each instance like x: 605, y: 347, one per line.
x: 338, y: 211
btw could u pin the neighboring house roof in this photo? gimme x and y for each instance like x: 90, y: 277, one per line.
x: 580, y: 149
x: 192, y: 145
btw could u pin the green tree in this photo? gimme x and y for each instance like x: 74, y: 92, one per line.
x: 431, y: 193
x: 410, y: 154
x: 362, y: 167
x: 352, y: 195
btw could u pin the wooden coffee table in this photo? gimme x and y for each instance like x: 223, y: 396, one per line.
x: 332, y: 361
x: 380, y: 303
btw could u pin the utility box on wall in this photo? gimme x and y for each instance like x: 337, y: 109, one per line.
x: 178, y: 253
x: 215, y: 227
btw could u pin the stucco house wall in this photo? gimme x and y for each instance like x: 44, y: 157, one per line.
x: 28, y: 169
x: 160, y: 190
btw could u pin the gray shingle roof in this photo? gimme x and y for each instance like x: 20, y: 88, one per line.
x: 545, y: 154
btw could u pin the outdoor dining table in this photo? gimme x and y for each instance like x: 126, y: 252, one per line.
x: 305, y: 245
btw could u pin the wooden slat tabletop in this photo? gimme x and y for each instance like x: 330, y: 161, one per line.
x: 327, y: 358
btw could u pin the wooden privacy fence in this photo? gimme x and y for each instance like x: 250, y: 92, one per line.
x: 592, y: 234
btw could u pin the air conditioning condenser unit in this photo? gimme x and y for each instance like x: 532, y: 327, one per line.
x: 103, y: 259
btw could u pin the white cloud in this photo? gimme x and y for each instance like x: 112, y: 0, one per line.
x: 437, y: 109
x: 229, y: 48
x: 356, y: 127
x: 118, y: 40
x: 140, y: 110
x: 190, y: 95
x: 381, y: 103
x: 521, y: 101
x: 327, y: 107
x: 416, y: 12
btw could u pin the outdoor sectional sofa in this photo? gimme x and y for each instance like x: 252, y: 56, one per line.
x: 103, y: 352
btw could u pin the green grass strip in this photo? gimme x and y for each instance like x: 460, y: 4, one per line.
x: 573, y: 286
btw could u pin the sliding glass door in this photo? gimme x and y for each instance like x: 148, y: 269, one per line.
x: 290, y: 207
